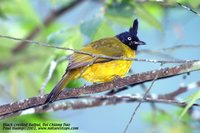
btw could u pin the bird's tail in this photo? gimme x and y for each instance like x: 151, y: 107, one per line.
x: 58, y: 88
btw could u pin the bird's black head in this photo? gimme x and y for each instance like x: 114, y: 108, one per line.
x: 130, y: 37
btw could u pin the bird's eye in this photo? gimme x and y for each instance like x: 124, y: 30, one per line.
x: 129, y: 38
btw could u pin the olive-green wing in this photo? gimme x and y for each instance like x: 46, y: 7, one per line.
x: 107, y: 46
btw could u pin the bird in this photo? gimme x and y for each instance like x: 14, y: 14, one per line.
x: 101, y: 70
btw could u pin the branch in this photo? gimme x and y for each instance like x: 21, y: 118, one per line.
x: 95, y: 101
x: 54, y: 14
x: 180, y: 90
x: 96, y: 88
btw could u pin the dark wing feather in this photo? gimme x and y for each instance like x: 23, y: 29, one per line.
x: 107, y: 46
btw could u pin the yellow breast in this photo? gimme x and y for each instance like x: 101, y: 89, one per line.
x: 105, y: 72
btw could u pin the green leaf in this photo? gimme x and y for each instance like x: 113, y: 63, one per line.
x: 121, y: 8
x: 123, y: 13
x: 147, y: 16
x: 90, y: 27
x: 69, y: 38
x: 194, y: 98
x: 2, y: 15
x: 123, y: 21
x: 120, y: 12
x: 158, y: 117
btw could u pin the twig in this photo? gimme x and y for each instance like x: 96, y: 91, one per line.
x: 97, y: 55
x: 154, y: 110
x: 158, y: 53
x: 181, y: 90
x: 189, y: 9
x: 52, y: 67
x: 179, y: 47
x: 93, y: 101
x: 11, y: 108
x: 144, y: 97
x: 153, y: 106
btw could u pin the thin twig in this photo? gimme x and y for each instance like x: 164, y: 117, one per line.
x: 52, y: 67
x: 180, y: 90
x: 97, y: 55
x: 173, y: 48
x: 144, y: 97
x: 158, y: 53
x: 189, y: 9
x: 153, y: 106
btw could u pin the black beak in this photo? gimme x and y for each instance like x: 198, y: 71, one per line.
x: 140, y: 43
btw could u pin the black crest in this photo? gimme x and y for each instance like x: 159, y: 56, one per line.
x: 130, y: 37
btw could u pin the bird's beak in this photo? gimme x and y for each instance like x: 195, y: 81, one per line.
x: 140, y: 43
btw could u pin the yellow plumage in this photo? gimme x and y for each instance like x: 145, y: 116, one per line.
x: 104, y: 72
x: 103, y: 69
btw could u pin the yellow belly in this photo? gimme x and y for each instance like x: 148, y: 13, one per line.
x: 105, y: 72
x: 108, y: 71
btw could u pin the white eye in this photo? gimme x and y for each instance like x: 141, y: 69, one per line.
x: 129, y: 38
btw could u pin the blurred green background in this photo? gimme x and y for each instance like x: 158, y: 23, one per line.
x: 75, y: 23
